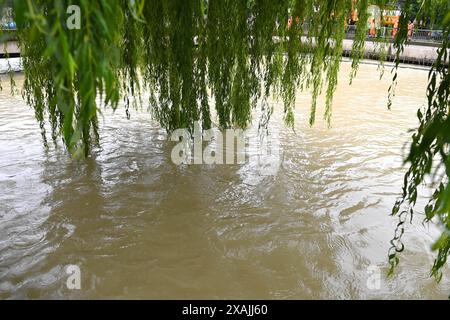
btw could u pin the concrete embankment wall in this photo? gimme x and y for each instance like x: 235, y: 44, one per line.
x: 422, y: 54
x: 12, y: 48
x: 14, y: 61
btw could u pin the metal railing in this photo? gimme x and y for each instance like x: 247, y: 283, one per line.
x: 389, y: 33
x: 386, y: 33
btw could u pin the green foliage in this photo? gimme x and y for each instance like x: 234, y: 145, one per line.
x: 191, y: 56
x: 185, y: 53
x: 429, y: 157
x: 430, y: 12
x: 66, y: 70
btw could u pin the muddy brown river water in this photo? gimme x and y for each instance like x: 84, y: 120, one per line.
x: 137, y: 226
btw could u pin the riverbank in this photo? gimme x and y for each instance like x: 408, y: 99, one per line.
x: 16, y: 64
x: 413, y: 54
x: 419, y: 54
x: 11, y: 64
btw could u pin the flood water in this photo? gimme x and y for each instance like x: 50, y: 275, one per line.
x: 138, y: 226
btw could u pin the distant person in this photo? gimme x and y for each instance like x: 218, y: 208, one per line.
x: 395, y: 30
x: 373, y: 30
x: 289, y: 22
x: 410, y: 30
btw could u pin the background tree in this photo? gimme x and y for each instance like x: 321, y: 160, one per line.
x: 430, y: 12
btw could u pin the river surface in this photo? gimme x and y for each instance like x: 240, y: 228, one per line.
x: 313, y: 223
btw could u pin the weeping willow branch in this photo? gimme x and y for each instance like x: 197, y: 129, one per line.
x: 185, y: 53
x: 429, y: 158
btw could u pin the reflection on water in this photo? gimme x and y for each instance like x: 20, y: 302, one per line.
x: 140, y: 227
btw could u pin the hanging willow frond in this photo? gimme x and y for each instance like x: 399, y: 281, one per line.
x: 183, y: 52
x: 429, y: 156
